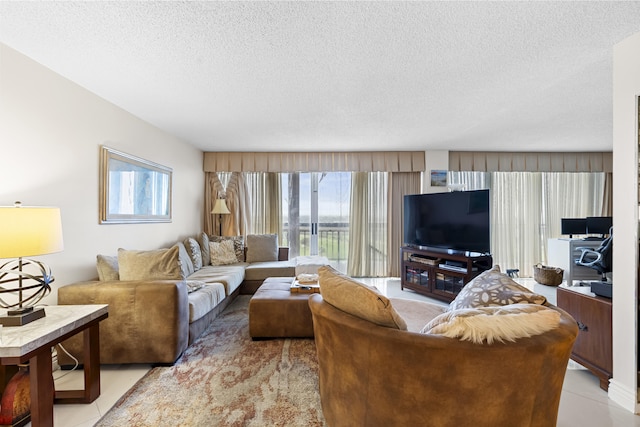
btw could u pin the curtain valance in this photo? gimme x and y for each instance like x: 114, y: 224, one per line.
x: 370, y: 161
x: 492, y: 161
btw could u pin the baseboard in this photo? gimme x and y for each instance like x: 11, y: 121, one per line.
x: 623, y: 396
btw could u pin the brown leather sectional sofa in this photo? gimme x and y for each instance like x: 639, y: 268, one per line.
x: 154, y: 320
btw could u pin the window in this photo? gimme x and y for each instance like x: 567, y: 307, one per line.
x: 315, y: 210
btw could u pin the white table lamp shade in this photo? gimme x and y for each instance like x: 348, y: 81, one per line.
x: 29, y: 231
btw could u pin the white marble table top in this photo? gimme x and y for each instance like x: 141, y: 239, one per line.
x: 16, y: 341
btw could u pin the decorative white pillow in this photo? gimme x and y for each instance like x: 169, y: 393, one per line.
x: 496, y: 323
x: 193, y: 248
x: 238, y: 244
x: 222, y: 253
x: 491, y: 288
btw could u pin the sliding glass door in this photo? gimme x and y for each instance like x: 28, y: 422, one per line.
x: 315, y: 210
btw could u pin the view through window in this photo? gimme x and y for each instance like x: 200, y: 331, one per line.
x: 315, y: 209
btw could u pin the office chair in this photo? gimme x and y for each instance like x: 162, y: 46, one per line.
x: 600, y: 258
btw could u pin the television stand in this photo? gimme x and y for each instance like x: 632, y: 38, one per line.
x: 440, y: 274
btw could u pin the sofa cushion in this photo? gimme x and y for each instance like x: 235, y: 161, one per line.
x: 262, y: 270
x: 193, y: 249
x: 186, y: 265
x: 358, y: 299
x: 491, y: 288
x: 238, y: 244
x: 262, y: 247
x: 222, y: 253
x: 204, y: 300
x: 107, y: 267
x: 496, y: 323
x: 230, y: 276
x: 416, y: 314
x: 157, y: 264
x: 203, y: 241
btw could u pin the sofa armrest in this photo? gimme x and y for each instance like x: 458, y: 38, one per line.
x: 148, y: 320
x: 283, y: 253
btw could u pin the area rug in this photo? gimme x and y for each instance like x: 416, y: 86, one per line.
x: 226, y: 379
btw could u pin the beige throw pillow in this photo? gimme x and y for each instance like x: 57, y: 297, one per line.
x: 238, y: 244
x: 492, y: 288
x: 222, y: 253
x: 497, y: 323
x: 358, y: 299
x: 158, y: 264
x: 262, y: 247
x: 107, y: 267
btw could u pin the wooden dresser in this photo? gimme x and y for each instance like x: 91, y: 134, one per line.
x: 593, y: 346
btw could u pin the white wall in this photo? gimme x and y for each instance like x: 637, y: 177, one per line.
x: 50, y: 133
x: 626, y: 88
x: 434, y: 160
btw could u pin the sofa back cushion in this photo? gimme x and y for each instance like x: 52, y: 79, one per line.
x: 203, y: 241
x: 186, y: 265
x: 107, y: 267
x: 158, y: 264
x: 358, y: 299
x: 262, y: 247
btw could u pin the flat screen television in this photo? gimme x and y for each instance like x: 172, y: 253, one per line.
x: 573, y: 226
x: 599, y: 225
x: 457, y: 221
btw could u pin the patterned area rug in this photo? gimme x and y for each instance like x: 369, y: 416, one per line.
x: 226, y: 379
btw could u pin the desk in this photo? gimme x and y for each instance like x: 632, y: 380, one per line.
x: 32, y: 343
x: 563, y: 253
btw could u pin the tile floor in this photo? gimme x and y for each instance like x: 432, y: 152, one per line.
x: 583, y: 403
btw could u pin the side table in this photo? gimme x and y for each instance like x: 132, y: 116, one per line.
x: 33, y: 342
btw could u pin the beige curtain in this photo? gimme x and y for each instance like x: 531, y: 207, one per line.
x: 368, y: 225
x: 607, y: 197
x: 213, y: 189
x: 495, y: 161
x: 239, y: 203
x: 266, y: 203
x: 526, y: 209
x: 399, y: 185
x: 516, y: 213
x: 569, y: 195
x: 343, y: 161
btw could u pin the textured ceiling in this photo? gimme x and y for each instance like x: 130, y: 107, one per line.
x: 318, y: 76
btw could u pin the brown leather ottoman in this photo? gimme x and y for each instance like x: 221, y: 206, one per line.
x: 274, y: 312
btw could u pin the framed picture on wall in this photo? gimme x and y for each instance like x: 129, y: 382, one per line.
x: 438, y: 178
x: 133, y: 190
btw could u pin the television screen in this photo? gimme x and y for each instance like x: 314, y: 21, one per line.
x: 599, y: 225
x: 573, y: 226
x: 457, y: 221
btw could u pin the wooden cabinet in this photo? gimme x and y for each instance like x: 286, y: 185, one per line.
x: 593, y: 346
x: 438, y: 274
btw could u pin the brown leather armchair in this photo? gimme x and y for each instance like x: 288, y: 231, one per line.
x: 377, y: 376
